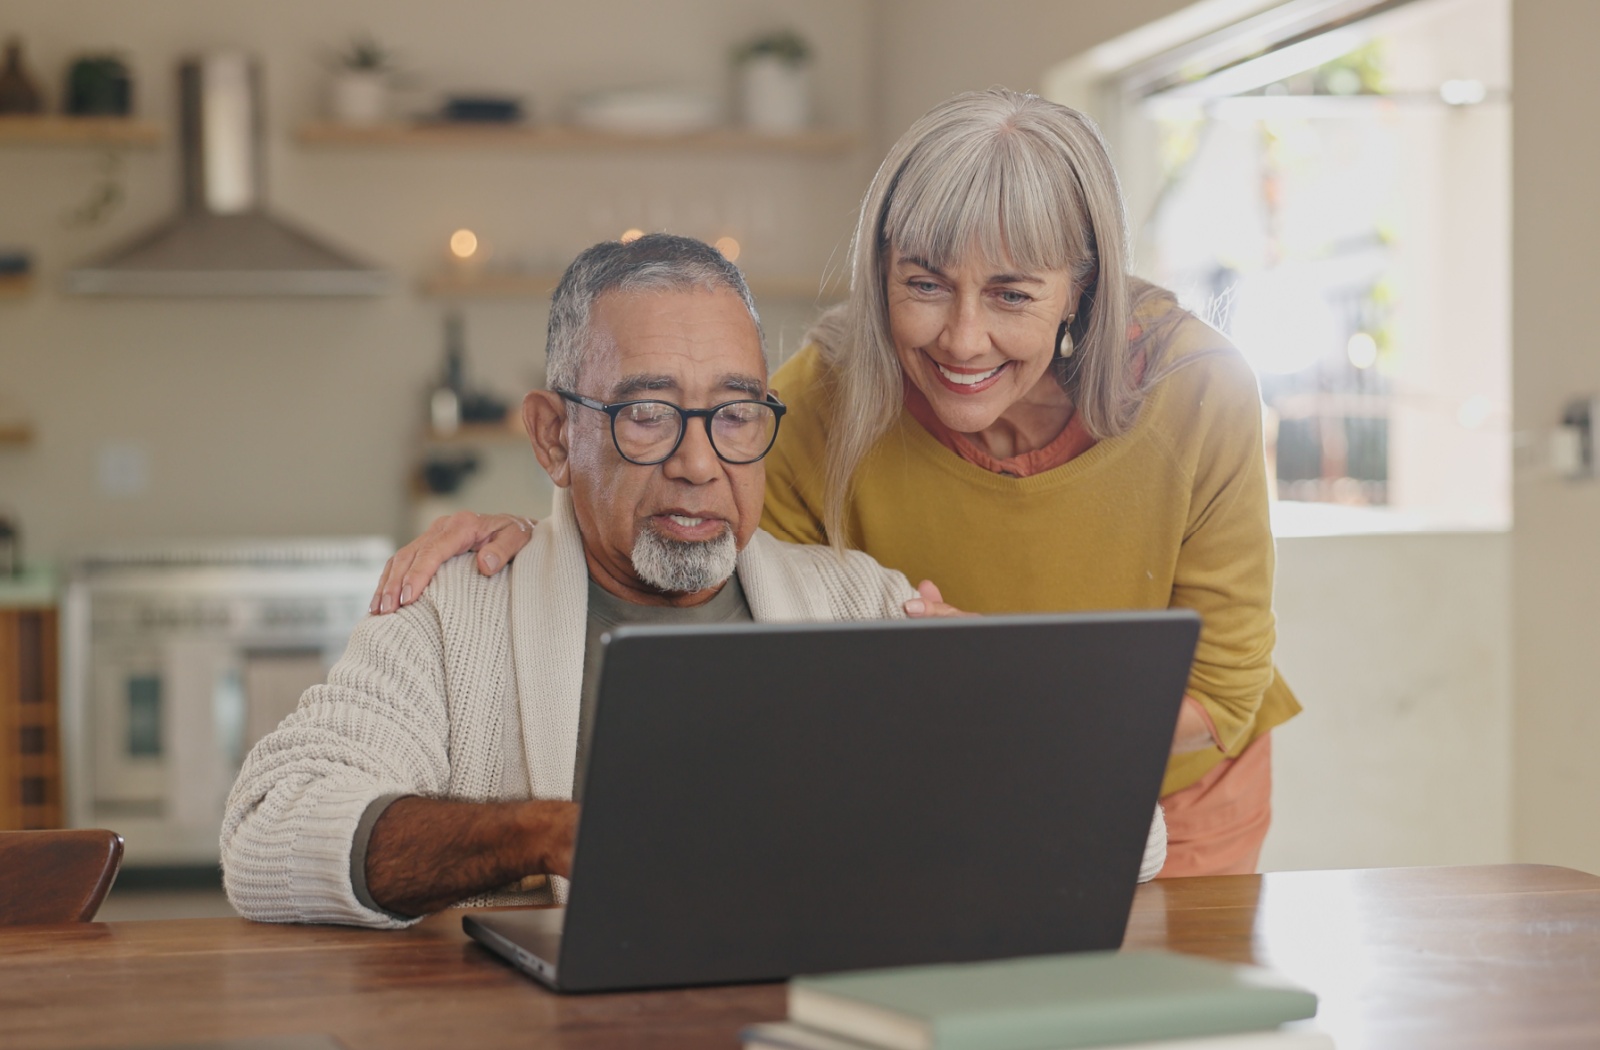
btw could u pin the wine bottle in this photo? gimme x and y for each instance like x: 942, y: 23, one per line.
x: 444, y: 405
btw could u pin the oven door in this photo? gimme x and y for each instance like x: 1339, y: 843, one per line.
x: 168, y: 686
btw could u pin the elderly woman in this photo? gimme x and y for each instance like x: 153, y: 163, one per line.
x: 1001, y: 407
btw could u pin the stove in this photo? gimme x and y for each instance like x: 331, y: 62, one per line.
x: 177, y: 658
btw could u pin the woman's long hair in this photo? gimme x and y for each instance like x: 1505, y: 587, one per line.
x: 1015, y: 179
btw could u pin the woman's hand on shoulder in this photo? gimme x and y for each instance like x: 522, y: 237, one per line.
x: 496, y: 537
x: 929, y: 604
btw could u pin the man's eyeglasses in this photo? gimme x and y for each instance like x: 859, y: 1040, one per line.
x: 649, y: 432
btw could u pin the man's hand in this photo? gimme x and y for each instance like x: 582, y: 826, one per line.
x: 496, y: 537
x: 425, y: 854
x: 929, y: 604
x: 557, y: 832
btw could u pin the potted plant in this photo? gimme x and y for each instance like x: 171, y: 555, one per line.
x: 359, y: 93
x: 774, y: 75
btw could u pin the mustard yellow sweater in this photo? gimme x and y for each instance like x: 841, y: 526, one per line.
x: 1171, y: 514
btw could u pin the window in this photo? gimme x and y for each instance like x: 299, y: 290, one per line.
x: 1338, y: 204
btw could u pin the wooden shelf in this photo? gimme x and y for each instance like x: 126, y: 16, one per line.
x: 15, y: 434
x: 523, y: 286
x: 559, y: 139
x: 15, y: 285
x: 77, y: 131
x: 482, y: 433
x: 490, y: 286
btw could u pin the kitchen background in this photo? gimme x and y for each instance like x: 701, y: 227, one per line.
x: 292, y: 416
x: 1448, y: 677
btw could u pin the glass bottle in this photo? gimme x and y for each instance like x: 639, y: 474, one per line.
x: 444, y: 405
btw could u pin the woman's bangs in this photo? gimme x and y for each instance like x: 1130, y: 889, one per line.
x: 994, y: 201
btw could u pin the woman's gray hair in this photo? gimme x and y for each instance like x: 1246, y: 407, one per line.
x: 654, y: 262
x: 1016, y: 179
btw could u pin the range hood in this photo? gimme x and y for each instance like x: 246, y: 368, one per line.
x: 223, y: 241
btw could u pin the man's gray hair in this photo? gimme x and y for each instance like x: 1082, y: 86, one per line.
x: 654, y: 262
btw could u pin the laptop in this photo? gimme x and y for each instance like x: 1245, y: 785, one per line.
x: 765, y: 800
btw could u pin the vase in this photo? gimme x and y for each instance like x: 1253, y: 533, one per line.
x: 359, y: 96
x: 775, y: 95
x: 18, y: 92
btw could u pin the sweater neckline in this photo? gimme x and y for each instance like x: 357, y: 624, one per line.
x: 1073, y: 440
x: 921, y: 441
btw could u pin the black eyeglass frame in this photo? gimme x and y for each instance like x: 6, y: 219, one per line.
x: 684, y: 415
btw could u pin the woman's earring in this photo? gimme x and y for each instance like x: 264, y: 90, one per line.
x: 1064, y: 345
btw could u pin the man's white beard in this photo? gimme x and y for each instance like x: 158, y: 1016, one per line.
x: 679, y: 567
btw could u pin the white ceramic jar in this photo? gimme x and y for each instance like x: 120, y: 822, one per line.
x: 359, y: 96
x: 775, y: 95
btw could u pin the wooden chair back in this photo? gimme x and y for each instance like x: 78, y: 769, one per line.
x: 56, y: 876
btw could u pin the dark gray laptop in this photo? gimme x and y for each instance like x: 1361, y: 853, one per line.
x: 766, y: 800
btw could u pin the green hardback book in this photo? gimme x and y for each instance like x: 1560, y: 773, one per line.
x: 786, y: 1035
x: 1049, y: 1002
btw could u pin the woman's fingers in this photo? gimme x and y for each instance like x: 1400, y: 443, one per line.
x: 930, y: 603
x: 383, y: 585
x: 510, y: 534
x: 407, y: 573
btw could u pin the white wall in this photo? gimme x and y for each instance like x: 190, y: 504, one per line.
x: 1398, y: 647
x: 1556, y: 544
x: 932, y: 49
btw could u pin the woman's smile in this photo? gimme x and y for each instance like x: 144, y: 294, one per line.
x: 967, y: 380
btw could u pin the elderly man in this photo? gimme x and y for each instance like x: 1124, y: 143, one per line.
x: 439, y: 763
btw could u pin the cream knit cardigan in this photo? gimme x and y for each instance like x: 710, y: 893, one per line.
x: 416, y: 706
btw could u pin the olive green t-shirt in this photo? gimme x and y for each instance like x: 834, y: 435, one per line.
x: 606, y: 611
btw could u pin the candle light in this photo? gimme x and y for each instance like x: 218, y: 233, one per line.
x: 463, y: 244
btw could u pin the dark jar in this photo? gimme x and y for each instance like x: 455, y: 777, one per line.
x: 99, y: 86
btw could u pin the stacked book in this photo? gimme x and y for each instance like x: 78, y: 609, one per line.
x: 1131, y: 1000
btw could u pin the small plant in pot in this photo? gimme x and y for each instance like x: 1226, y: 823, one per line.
x: 359, y: 93
x: 774, y: 74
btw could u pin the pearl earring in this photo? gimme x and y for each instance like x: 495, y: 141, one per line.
x: 1064, y: 347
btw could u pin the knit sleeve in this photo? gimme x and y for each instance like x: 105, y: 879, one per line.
x: 378, y: 727
x: 868, y: 590
x: 1155, y: 847
x: 1225, y: 562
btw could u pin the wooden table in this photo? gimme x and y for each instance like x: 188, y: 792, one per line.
x: 1504, y: 956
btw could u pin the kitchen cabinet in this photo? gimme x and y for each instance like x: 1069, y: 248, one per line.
x: 30, y: 742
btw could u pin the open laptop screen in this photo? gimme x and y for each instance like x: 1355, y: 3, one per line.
x: 765, y: 800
